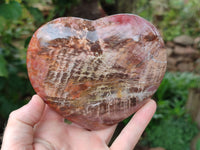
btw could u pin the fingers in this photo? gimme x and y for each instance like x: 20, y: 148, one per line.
x: 106, y: 134
x: 130, y: 135
x: 20, y: 124
x: 29, y: 114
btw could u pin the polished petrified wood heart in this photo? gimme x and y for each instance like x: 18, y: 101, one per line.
x: 96, y: 73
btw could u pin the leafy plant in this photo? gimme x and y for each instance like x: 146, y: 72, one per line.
x: 16, y: 24
x: 18, y: 20
x: 143, y: 8
x: 15, y: 87
x: 172, y: 17
x: 171, y: 127
x: 61, y: 6
x: 175, y: 86
x: 110, y: 1
x: 11, y: 11
x: 198, y: 144
x: 171, y: 133
x: 3, y: 69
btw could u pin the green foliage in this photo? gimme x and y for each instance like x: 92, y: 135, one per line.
x: 3, y: 69
x: 16, y: 22
x: 110, y: 1
x: 173, y: 17
x: 61, y: 6
x: 2, y: 23
x: 11, y: 11
x: 174, y: 86
x: 144, y: 9
x: 171, y: 126
x: 37, y: 14
x: 15, y: 88
x: 172, y: 94
x: 171, y: 133
x: 198, y: 144
x: 13, y: 93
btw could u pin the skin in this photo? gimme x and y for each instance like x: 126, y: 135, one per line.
x: 36, y: 127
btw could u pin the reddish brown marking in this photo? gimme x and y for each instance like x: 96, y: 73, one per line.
x: 93, y: 74
x: 122, y: 19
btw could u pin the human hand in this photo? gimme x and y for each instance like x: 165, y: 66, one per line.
x: 36, y: 126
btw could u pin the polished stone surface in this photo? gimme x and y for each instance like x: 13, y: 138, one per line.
x: 96, y: 73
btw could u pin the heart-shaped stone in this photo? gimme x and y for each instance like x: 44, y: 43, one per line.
x: 96, y: 73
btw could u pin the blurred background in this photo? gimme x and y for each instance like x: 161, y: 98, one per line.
x: 176, y: 124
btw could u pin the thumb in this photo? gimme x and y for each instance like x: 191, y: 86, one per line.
x: 19, y: 130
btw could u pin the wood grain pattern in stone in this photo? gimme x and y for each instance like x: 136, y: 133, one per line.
x: 96, y: 73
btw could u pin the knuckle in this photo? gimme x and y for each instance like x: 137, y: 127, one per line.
x: 13, y: 114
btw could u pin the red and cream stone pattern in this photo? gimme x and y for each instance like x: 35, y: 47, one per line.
x: 96, y: 73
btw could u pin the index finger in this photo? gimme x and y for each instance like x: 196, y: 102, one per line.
x: 130, y: 135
